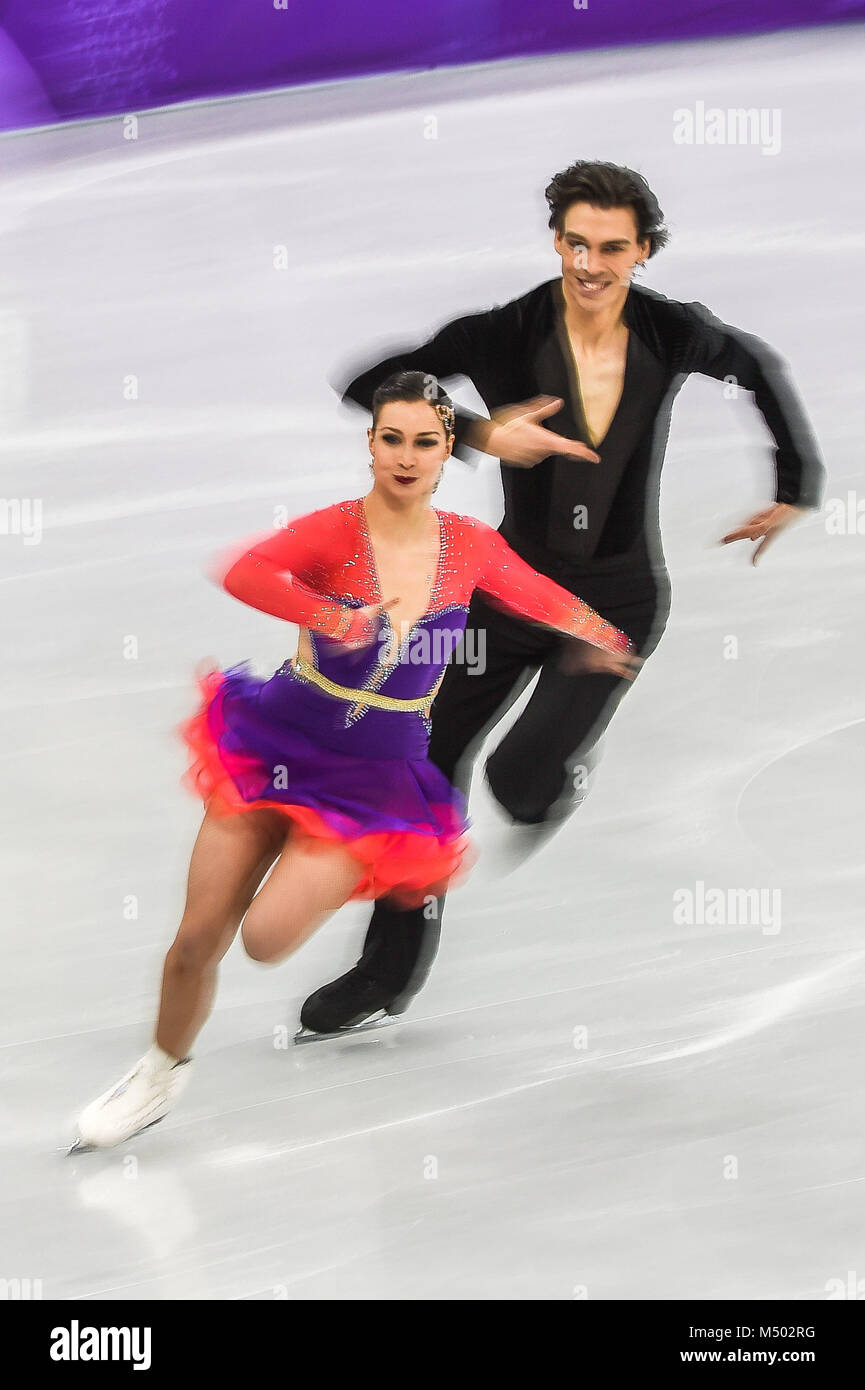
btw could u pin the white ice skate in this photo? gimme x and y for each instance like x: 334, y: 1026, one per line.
x: 140, y: 1099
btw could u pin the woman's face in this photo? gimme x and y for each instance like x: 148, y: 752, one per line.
x: 408, y: 445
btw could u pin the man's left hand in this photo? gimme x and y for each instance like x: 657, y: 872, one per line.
x: 766, y: 526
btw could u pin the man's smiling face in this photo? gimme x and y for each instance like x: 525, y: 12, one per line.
x: 599, y: 248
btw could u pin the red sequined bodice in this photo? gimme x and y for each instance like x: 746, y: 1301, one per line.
x: 319, y: 571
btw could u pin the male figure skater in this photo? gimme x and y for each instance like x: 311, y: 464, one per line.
x: 596, y: 362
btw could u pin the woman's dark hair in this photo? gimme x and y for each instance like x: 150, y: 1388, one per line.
x: 415, y: 386
x: 607, y: 186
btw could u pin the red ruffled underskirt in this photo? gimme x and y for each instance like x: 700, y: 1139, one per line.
x: 405, y: 867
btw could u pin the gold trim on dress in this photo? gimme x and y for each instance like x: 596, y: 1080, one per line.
x: 365, y: 697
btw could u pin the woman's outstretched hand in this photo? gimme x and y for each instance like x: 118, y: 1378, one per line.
x: 515, y: 434
x: 580, y: 658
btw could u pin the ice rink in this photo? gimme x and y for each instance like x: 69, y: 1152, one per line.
x: 592, y: 1097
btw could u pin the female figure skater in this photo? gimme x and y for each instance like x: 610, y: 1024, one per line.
x: 320, y: 772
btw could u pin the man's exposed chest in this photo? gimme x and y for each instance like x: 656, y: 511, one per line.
x: 598, y: 381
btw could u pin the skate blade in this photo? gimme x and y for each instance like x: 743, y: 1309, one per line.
x: 81, y: 1147
x: 379, y: 1020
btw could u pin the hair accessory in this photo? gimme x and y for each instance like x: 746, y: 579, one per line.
x: 446, y: 415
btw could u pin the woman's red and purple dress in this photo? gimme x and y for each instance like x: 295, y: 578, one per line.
x: 343, y: 770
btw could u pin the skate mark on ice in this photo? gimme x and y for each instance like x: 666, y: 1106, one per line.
x: 760, y: 1012
x: 801, y: 743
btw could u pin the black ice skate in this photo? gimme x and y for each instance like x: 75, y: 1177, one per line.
x: 352, y: 1004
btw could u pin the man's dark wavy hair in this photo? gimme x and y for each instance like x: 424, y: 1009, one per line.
x: 604, y: 185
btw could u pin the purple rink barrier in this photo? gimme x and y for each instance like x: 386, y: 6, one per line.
x: 62, y: 59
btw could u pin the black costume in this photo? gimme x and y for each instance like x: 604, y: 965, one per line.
x: 612, y: 558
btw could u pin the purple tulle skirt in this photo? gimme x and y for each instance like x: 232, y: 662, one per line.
x: 367, y: 786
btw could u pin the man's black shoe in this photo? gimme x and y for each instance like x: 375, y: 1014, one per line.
x: 347, y: 1002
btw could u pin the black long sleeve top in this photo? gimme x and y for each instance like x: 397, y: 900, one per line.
x: 587, y: 513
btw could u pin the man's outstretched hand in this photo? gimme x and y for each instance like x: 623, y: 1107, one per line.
x: 515, y: 434
x: 766, y: 526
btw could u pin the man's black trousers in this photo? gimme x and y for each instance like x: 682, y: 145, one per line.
x: 536, y: 770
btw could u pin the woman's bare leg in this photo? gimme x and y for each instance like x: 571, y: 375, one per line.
x: 229, y: 859
x: 306, y: 886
